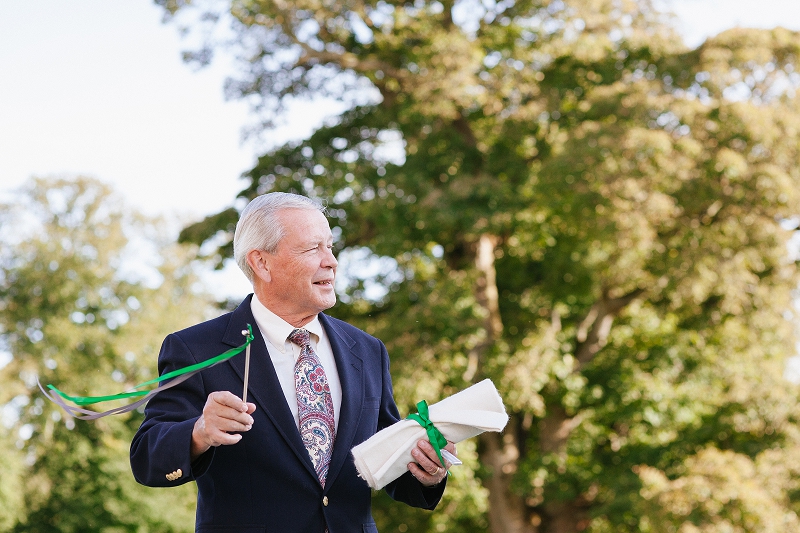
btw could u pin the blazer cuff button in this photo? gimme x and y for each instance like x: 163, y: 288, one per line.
x: 172, y: 476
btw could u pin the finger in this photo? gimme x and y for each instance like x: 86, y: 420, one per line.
x: 429, y: 452
x: 227, y: 419
x: 424, y: 477
x: 217, y: 407
x: 236, y: 419
x: 420, y: 473
x: 228, y: 399
x: 223, y: 434
x: 212, y: 435
x: 222, y: 438
x: 428, y: 464
x: 213, y: 424
x: 231, y: 426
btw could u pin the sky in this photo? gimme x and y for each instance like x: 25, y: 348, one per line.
x: 98, y: 88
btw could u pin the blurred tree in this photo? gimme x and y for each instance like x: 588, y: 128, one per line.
x: 560, y: 196
x: 87, y: 292
x: 11, y: 468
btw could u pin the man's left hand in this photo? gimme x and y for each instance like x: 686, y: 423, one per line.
x: 427, y: 468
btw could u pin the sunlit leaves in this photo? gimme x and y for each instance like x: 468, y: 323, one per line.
x: 87, y: 292
x: 633, y: 306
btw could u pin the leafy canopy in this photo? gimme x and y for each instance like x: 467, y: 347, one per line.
x: 563, y: 197
x: 76, y: 310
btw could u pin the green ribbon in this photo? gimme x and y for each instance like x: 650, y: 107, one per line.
x: 437, y: 440
x: 88, y: 400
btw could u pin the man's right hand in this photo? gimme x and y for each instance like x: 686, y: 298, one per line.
x: 223, y: 413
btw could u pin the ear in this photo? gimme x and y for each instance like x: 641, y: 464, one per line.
x: 259, y: 262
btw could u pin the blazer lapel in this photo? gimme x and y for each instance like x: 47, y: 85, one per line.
x: 349, y: 365
x: 263, y: 385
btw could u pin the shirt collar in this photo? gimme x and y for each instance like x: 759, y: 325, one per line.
x: 276, y: 329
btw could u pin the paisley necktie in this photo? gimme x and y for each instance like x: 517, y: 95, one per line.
x: 314, y: 403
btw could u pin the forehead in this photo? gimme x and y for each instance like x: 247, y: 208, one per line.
x: 304, y: 225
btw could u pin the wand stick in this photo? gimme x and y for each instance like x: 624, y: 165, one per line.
x: 246, y: 367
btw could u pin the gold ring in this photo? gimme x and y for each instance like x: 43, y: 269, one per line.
x: 437, y: 470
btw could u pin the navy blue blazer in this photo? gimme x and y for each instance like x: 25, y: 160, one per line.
x: 266, y: 482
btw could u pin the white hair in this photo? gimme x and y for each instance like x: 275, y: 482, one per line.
x: 259, y: 227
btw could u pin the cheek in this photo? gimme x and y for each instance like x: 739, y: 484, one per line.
x: 295, y: 273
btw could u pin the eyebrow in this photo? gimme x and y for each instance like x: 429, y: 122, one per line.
x: 312, y: 243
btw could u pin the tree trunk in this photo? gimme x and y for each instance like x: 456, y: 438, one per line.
x: 509, y: 512
x: 564, y: 517
x: 557, y: 426
x: 489, y: 301
x: 554, y: 431
x: 499, y: 454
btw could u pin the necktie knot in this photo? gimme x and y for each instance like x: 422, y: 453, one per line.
x: 301, y: 337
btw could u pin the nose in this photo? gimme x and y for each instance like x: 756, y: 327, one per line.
x: 329, y: 260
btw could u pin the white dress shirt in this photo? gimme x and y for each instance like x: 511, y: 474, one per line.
x: 284, y: 354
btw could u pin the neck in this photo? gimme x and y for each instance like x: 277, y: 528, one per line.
x: 295, y: 320
x: 298, y: 323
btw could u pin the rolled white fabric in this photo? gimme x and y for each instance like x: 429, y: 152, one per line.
x: 384, y: 457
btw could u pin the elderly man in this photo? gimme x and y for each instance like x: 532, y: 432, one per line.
x: 319, y: 386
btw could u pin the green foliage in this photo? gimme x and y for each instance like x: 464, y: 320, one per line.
x: 578, y: 207
x: 11, y: 478
x: 78, y: 311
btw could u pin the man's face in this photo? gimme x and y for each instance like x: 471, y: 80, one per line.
x: 303, y: 268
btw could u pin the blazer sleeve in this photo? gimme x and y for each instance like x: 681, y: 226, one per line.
x: 160, y: 450
x: 406, y: 488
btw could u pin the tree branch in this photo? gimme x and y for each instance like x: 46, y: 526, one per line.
x: 346, y: 60
x: 593, y: 331
x: 488, y: 299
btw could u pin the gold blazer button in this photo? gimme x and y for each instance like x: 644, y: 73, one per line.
x: 172, y: 476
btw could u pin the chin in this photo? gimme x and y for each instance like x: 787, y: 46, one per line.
x: 327, y: 303
x: 325, y: 299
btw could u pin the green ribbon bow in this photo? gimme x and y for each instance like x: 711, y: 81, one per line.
x: 184, y: 373
x: 438, y: 441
